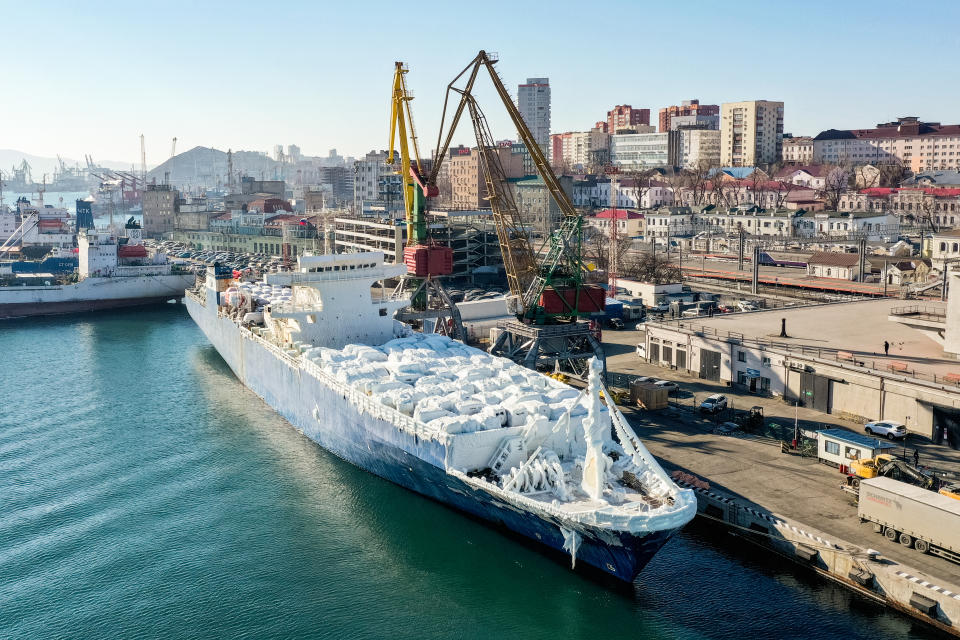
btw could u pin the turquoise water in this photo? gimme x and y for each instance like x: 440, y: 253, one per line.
x: 144, y: 493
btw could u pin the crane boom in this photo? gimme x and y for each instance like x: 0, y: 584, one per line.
x: 561, y: 264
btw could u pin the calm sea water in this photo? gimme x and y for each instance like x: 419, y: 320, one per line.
x: 144, y: 493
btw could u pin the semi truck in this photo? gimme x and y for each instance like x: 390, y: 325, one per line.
x: 911, y: 515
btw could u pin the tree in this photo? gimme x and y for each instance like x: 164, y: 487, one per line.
x: 654, y: 268
x: 834, y: 185
x: 638, y: 183
x: 892, y: 173
x: 596, y: 248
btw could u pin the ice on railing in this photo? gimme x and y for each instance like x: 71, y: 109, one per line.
x: 448, y: 386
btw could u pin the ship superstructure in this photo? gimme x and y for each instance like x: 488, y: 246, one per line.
x: 474, y: 431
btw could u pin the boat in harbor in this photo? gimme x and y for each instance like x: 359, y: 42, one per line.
x: 473, y: 431
x: 113, y: 271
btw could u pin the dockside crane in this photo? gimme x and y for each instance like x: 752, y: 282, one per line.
x: 425, y: 261
x: 548, y: 289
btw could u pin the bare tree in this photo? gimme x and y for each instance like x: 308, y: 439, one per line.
x: 654, y: 268
x: 834, y: 185
x: 638, y: 183
x: 596, y: 248
x: 892, y: 173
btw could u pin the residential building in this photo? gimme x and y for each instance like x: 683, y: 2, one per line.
x: 798, y: 150
x: 592, y: 192
x: 623, y: 116
x: 533, y: 101
x: 376, y: 185
x: 575, y: 151
x: 633, y: 151
x: 630, y: 224
x: 934, y: 179
x: 159, y: 206
x: 918, y: 206
x: 751, y: 133
x: 689, y: 112
x: 668, y: 222
x: 943, y: 248
x: 699, y: 147
x: 814, y: 176
x: 468, y: 185
x: 919, y: 146
x: 537, y: 207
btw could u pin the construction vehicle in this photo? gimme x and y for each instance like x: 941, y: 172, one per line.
x: 425, y: 260
x: 912, y: 516
x: 951, y: 491
x: 887, y: 466
x: 548, y: 293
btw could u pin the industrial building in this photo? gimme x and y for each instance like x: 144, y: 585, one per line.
x: 872, y: 360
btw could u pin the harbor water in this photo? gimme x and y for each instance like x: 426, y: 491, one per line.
x: 145, y: 493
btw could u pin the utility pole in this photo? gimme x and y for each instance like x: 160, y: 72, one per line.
x: 614, y: 258
x: 862, y: 262
x: 756, y: 270
x: 741, y: 234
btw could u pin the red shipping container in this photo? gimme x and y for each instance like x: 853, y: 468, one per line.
x: 592, y: 299
x: 441, y: 260
x: 417, y: 260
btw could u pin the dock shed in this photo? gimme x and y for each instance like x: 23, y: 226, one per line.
x: 840, y: 446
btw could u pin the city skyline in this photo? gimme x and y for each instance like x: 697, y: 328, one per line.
x: 232, y: 76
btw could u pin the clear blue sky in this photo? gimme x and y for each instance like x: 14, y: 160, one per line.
x: 89, y: 77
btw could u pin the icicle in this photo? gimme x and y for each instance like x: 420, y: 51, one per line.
x: 571, y: 542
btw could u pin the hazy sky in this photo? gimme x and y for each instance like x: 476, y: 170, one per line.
x: 90, y: 77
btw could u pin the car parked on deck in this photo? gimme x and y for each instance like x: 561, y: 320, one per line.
x: 886, y: 428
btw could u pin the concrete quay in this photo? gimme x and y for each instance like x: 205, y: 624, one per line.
x: 790, y: 504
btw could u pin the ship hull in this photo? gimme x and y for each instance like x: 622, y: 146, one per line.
x: 329, y: 418
x: 92, y: 294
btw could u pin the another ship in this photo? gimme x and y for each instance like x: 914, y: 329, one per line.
x: 112, y: 272
x: 453, y: 423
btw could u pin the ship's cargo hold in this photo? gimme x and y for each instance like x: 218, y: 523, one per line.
x: 913, y: 516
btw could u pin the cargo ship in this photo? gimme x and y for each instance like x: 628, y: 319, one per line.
x: 112, y: 272
x: 476, y: 432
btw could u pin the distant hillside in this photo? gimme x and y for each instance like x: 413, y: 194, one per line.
x: 206, y: 166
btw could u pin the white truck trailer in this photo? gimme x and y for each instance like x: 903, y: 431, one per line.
x: 914, y: 516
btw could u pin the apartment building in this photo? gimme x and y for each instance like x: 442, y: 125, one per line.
x: 689, y: 113
x: 575, y: 151
x: 699, y: 146
x: 533, y: 101
x: 536, y: 205
x: 919, y: 146
x: 798, y: 150
x: 751, y: 133
x: 623, y: 116
x: 468, y: 189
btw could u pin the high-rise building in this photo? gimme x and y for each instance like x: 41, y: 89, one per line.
x: 699, y: 147
x: 639, y: 151
x: 690, y: 112
x: 533, y: 101
x: 159, y: 209
x: 751, y: 133
x: 578, y: 150
x: 468, y: 185
x: 623, y: 116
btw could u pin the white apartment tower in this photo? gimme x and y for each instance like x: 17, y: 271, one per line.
x: 751, y: 133
x: 533, y: 101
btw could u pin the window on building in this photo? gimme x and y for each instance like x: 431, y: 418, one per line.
x: 741, y: 356
x: 766, y: 361
x: 832, y: 447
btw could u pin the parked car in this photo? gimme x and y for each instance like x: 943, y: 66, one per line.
x: 642, y: 379
x: 641, y: 350
x: 692, y: 312
x: 746, y: 305
x: 615, y: 323
x: 887, y: 428
x: 714, y: 403
x: 669, y: 385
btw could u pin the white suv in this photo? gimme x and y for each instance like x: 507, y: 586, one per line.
x: 888, y: 428
x: 714, y: 403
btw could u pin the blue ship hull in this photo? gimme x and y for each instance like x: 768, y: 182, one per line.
x: 329, y: 418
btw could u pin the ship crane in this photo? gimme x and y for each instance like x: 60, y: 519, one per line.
x: 426, y: 262
x: 548, y: 290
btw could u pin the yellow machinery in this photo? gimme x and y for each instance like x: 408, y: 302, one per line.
x: 951, y: 491
x: 888, y: 466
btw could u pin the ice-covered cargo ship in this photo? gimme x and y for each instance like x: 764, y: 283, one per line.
x: 112, y: 272
x: 470, y: 430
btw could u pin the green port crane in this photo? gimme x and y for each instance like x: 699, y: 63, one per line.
x: 548, y: 285
x: 548, y: 290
